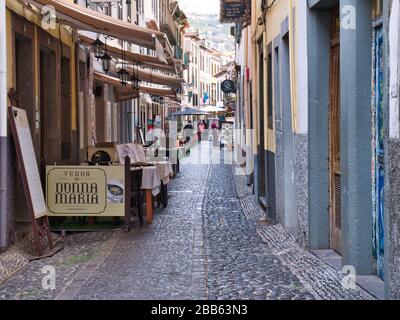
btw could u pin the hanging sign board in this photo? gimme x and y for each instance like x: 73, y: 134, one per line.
x: 235, y: 10
x: 90, y: 191
x: 124, y: 93
x: 228, y: 86
x: 29, y: 170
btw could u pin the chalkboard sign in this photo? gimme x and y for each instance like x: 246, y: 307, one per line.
x: 30, y: 177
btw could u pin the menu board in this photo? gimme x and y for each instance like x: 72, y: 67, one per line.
x: 28, y: 163
x: 135, y: 151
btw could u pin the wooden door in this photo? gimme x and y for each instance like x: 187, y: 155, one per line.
x: 334, y: 126
x: 50, y: 128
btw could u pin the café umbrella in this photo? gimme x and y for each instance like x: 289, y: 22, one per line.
x: 211, y: 109
x: 189, y: 112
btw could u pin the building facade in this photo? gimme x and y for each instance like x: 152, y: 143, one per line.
x: 72, y: 100
x: 324, y: 120
x: 202, y: 73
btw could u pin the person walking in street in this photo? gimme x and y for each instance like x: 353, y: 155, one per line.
x: 188, y: 125
x: 204, y: 130
x: 188, y: 134
x: 200, y: 130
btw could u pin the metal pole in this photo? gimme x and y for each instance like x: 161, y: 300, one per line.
x: 3, y: 127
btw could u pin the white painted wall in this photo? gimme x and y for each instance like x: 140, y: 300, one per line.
x: 302, y: 67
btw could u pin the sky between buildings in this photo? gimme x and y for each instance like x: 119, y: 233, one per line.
x: 200, y: 6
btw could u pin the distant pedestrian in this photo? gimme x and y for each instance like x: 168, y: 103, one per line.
x: 188, y: 131
x: 200, y: 130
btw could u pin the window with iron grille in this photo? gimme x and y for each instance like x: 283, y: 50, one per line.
x: 107, y: 8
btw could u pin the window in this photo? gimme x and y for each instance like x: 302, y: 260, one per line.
x: 107, y: 8
x: 129, y: 13
x: 120, y: 11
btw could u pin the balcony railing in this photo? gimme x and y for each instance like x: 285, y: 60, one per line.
x: 186, y: 58
x: 178, y: 52
x: 168, y: 26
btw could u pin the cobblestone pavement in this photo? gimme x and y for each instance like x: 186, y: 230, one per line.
x: 212, y: 242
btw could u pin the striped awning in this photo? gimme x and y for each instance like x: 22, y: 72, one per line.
x: 83, y: 18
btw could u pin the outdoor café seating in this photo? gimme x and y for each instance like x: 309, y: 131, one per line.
x: 155, y: 176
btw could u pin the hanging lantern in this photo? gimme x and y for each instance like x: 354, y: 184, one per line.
x: 106, y: 61
x: 123, y: 76
x: 98, y: 48
x: 135, y: 82
x: 105, y: 58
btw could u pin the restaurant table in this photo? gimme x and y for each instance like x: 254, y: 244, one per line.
x: 174, y: 155
x: 151, y: 184
x: 165, y: 172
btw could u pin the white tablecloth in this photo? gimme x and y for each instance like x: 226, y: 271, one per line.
x: 150, y: 179
x: 165, y: 171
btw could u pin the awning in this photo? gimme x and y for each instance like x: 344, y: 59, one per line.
x: 158, y: 91
x: 158, y: 78
x: 161, y: 92
x: 158, y: 62
x: 169, y: 103
x: 83, y: 18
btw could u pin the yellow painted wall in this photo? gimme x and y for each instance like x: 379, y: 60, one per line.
x: 63, y: 33
x: 257, y: 31
x: 10, y: 52
x: 272, y: 28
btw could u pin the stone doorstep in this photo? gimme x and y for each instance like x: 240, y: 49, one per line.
x: 370, y: 283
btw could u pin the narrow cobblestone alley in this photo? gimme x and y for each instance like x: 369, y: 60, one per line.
x: 212, y: 242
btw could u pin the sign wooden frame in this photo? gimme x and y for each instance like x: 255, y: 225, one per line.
x: 40, y: 221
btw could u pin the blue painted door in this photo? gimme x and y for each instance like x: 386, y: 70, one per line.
x: 378, y: 147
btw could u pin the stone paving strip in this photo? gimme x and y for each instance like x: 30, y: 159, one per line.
x: 71, y: 289
x: 238, y: 264
x: 79, y: 250
x: 11, y: 262
x: 321, y: 280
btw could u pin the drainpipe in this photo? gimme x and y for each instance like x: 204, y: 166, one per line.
x: 3, y: 128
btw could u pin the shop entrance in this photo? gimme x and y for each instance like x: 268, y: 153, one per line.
x: 50, y: 137
x: 334, y: 135
x: 24, y: 70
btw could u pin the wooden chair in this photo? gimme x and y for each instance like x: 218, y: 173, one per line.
x: 133, y: 183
